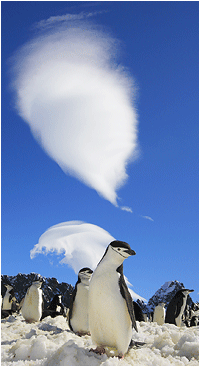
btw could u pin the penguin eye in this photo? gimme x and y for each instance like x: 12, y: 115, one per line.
x: 119, y: 248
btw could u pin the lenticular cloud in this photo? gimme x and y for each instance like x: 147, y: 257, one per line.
x: 79, y: 104
x: 83, y: 244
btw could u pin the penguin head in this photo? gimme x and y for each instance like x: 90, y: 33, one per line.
x: 37, y: 284
x: 57, y: 298
x: 60, y: 298
x: 185, y: 292
x: 122, y: 248
x: 117, y: 252
x: 9, y: 287
x: 84, y: 275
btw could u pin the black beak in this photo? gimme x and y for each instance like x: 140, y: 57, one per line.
x: 130, y: 252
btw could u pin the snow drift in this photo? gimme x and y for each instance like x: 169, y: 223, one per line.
x: 51, y: 343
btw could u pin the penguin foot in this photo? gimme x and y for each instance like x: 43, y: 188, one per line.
x: 136, y: 344
x: 121, y: 356
x: 98, y: 350
x: 82, y: 333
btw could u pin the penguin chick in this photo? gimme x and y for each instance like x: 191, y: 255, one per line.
x: 32, y: 305
x: 111, y: 312
x: 78, y: 309
x: 176, y: 307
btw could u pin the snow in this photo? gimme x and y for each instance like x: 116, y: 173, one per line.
x: 51, y: 343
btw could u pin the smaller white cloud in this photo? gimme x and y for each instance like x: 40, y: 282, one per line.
x: 146, y: 217
x: 126, y: 209
x: 79, y: 244
x: 52, y: 21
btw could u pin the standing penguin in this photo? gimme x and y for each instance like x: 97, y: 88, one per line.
x: 139, y: 316
x: 176, y: 307
x: 78, y: 309
x: 32, y: 305
x: 159, y: 314
x: 55, y: 308
x: 111, y: 312
x: 8, y: 298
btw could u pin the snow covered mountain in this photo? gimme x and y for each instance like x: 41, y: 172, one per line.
x: 164, y: 294
x: 50, y: 287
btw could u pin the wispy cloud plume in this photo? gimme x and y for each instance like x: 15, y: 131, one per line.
x: 52, y: 21
x: 82, y: 244
x: 78, y: 103
x: 146, y: 217
x: 126, y: 209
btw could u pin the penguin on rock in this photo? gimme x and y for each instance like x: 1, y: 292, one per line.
x: 32, y: 305
x: 111, y: 310
x: 78, y: 309
x: 176, y: 307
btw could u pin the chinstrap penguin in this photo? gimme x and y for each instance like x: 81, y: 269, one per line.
x: 9, y: 304
x: 32, y: 305
x: 159, y: 314
x: 8, y: 298
x: 55, y: 308
x: 139, y: 316
x: 78, y: 309
x: 176, y: 307
x: 111, y: 312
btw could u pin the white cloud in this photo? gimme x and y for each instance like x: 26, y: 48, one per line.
x: 78, y: 103
x: 52, y: 21
x: 146, y: 217
x: 126, y: 209
x: 82, y: 244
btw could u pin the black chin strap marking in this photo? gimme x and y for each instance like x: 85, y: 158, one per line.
x: 118, y: 253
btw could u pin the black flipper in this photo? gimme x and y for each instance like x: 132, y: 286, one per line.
x: 71, y: 304
x: 126, y: 295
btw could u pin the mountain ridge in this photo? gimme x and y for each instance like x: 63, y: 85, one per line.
x: 51, y: 286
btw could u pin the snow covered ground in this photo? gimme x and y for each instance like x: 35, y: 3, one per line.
x: 51, y: 343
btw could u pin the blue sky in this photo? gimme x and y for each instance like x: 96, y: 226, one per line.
x: 157, y: 45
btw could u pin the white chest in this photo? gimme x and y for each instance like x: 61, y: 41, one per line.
x: 6, y: 304
x: 32, y: 306
x: 159, y: 315
x: 179, y: 318
x: 109, y: 320
x: 79, y: 319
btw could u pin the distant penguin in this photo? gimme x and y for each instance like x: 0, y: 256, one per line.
x: 55, y: 308
x: 56, y: 304
x: 151, y: 316
x: 194, y: 321
x: 139, y: 316
x: 78, y: 309
x: 176, y: 307
x: 159, y: 314
x: 8, y: 298
x: 32, y: 305
x: 111, y: 312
